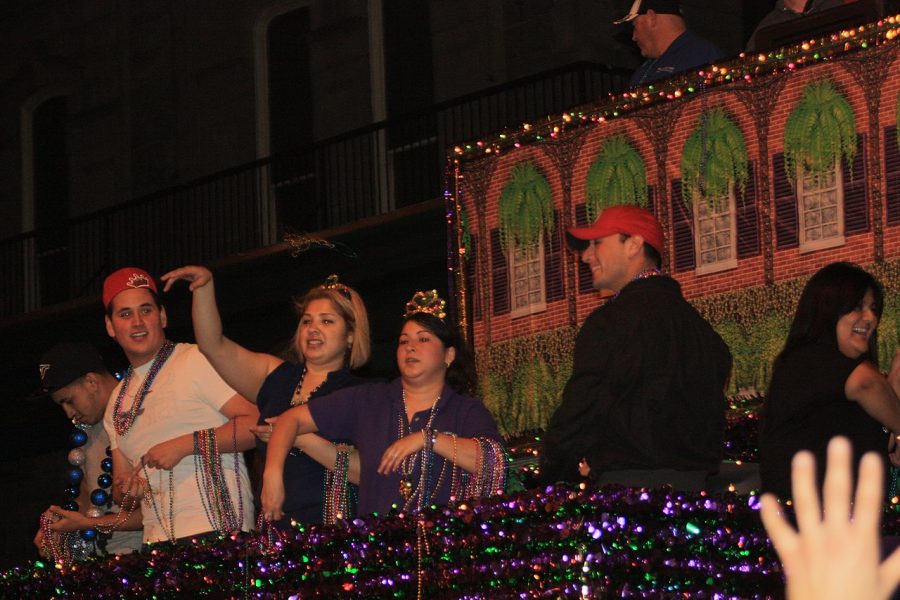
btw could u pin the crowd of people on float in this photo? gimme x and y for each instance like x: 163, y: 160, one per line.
x: 644, y: 405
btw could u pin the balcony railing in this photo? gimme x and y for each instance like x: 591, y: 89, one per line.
x: 366, y: 172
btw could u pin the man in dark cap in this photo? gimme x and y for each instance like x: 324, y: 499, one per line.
x: 665, y: 41
x: 645, y: 404
x: 78, y: 381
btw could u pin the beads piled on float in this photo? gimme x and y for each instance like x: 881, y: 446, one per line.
x: 550, y: 542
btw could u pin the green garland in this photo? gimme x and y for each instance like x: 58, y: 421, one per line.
x: 617, y: 176
x: 525, y: 207
x: 819, y: 131
x: 521, y: 381
x: 714, y: 160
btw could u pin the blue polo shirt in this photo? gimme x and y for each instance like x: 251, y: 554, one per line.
x: 686, y: 52
x: 369, y: 415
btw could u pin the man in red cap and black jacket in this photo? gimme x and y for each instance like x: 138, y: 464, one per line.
x: 645, y: 404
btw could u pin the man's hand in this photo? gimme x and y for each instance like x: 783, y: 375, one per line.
x: 69, y: 520
x: 132, y: 487
x: 166, y: 455
x: 196, y: 276
x: 834, y: 555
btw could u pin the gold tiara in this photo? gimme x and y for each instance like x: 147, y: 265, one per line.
x: 332, y: 283
x: 426, y: 302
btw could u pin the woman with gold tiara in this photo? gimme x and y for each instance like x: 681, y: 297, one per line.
x: 331, y: 338
x: 421, y: 439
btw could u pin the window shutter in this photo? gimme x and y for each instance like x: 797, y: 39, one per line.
x: 892, y: 174
x: 682, y: 233
x: 585, y: 280
x: 747, y: 216
x: 786, y: 231
x: 553, y: 273
x: 500, y: 275
x: 471, y: 279
x: 856, y: 214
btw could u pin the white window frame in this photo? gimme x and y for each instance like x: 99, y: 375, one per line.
x: 804, y: 194
x: 723, y: 264
x: 539, y: 279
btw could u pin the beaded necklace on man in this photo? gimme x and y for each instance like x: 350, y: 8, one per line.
x: 645, y: 274
x: 123, y: 422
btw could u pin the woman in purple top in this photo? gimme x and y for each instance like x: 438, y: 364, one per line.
x: 331, y: 338
x: 421, y: 440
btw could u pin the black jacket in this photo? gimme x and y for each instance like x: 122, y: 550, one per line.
x: 647, y: 388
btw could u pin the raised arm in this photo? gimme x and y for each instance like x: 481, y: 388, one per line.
x: 834, y: 550
x: 290, y: 424
x: 242, y: 369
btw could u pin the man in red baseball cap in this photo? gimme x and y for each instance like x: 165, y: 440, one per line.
x: 645, y: 404
x: 170, y: 422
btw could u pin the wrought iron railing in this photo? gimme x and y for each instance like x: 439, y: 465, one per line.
x: 366, y: 172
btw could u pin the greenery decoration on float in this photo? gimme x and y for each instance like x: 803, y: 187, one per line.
x: 714, y: 160
x: 466, y: 233
x: 617, y: 176
x: 525, y: 208
x: 819, y: 131
x: 521, y: 380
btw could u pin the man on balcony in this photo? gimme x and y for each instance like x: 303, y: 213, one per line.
x: 177, y: 431
x: 645, y: 404
x: 665, y: 41
x: 789, y: 10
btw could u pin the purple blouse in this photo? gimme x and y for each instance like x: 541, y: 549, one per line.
x: 370, y: 416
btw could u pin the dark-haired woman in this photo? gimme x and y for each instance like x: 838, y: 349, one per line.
x: 331, y: 338
x: 826, y: 382
x: 421, y: 440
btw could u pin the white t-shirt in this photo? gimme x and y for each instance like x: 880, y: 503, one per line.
x: 186, y: 396
x: 121, y: 542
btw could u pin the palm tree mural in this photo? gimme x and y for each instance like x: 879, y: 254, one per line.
x: 714, y: 160
x: 819, y: 131
x: 617, y: 176
x: 525, y: 207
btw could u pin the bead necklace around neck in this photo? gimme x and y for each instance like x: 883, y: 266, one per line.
x: 645, y: 274
x: 123, y: 422
x: 297, y: 399
x: 408, y: 464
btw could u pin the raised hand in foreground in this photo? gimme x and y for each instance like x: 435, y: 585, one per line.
x: 835, y: 550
